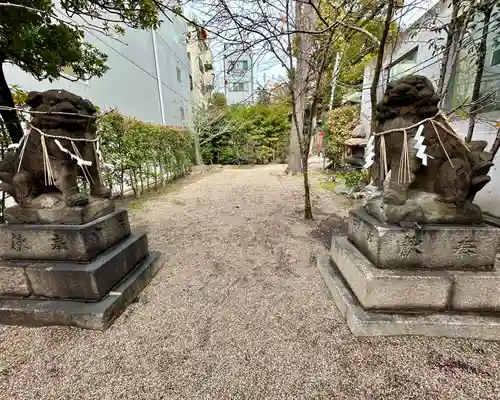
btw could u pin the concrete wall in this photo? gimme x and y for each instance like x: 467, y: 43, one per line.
x: 429, y: 65
x: 131, y: 84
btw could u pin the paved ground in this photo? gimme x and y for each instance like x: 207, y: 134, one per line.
x: 239, y: 312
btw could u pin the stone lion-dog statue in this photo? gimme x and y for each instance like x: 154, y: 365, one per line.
x: 60, y: 146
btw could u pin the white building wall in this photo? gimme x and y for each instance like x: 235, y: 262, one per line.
x: 131, y: 85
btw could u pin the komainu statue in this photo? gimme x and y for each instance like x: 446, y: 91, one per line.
x: 423, y: 172
x: 61, y: 145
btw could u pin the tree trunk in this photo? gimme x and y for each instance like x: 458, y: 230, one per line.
x: 10, y: 118
x: 449, y: 43
x: 198, y: 160
x: 307, y: 192
x: 305, y: 22
x: 378, y: 66
x: 294, y: 161
x: 481, y: 57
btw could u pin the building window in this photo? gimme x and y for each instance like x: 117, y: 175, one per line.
x: 238, y: 87
x: 189, y: 56
x: 238, y: 67
x: 191, y: 87
x: 179, y: 75
x: 403, y: 65
x: 183, y: 113
x: 495, y: 58
x: 242, y: 64
x: 200, y: 65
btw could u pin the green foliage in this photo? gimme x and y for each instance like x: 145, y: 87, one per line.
x: 340, y: 123
x: 18, y: 95
x: 257, y: 134
x: 328, y: 186
x: 38, y: 41
x: 218, y: 100
x: 353, y: 179
x: 356, y: 48
x: 143, y: 153
x: 41, y: 38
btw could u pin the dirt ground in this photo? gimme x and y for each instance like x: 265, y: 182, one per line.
x: 239, y: 311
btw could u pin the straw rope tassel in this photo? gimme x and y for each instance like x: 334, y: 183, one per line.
x: 407, y: 156
x: 98, y: 159
x: 23, y: 141
x: 47, y: 168
x: 404, y: 172
x: 383, y: 157
x: 86, y: 172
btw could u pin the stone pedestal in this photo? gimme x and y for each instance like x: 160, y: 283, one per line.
x: 436, y: 280
x: 68, y: 274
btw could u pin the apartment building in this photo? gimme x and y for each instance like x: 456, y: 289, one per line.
x: 149, y: 75
x: 238, y: 65
x: 201, y: 62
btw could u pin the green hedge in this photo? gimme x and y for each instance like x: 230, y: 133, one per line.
x: 142, y: 154
x: 257, y: 134
x: 340, y: 124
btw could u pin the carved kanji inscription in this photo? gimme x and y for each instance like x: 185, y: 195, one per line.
x: 58, y: 242
x: 409, y: 245
x: 18, y: 242
x: 465, y: 247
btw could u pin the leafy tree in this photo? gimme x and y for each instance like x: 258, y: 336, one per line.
x: 41, y: 39
x: 355, y: 47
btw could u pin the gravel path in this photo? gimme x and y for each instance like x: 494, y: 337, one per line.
x: 239, y: 312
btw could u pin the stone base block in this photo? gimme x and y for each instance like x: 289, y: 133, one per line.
x: 13, y: 280
x: 50, y: 209
x: 90, y: 281
x: 369, y: 323
x: 476, y: 291
x: 389, y: 289
x: 63, y: 242
x: 454, y: 247
x: 424, y: 208
x: 98, y: 315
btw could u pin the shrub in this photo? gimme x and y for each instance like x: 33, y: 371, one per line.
x: 255, y: 134
x: 340, y: 123
x: 355, y: 179
x: 142, y: 153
